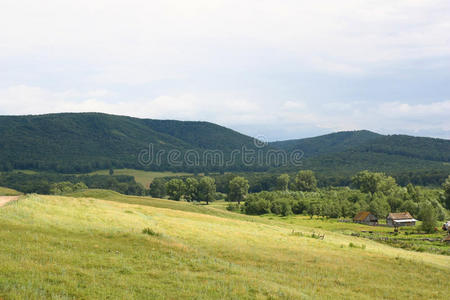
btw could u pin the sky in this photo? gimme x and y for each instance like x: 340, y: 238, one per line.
x: 277, y: 69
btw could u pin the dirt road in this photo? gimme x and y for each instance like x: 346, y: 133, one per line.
x: 6, y: 199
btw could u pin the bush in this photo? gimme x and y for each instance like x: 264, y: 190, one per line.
x: 220, y: 196
x: 150, y: 231
x: 281, y: 207
x: 233, y: 207
x: 257, y: 207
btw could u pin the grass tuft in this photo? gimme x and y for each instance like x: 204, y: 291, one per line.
x: 150, y: 231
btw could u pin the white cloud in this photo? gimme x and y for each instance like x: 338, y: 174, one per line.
x: 166, y: 38
x: 243, y: 64
x: 386, y: 117
x: 434, y: 109
x: 35, y: 100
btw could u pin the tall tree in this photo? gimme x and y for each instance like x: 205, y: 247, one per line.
x: 428, y: 217
x: 413, y: 192
x: 372, y: 182
x: 306, y: 181
x: 206, y: 189
x: 191, y: 193
x: 158, y: 188
x: 379, y: 206
x: 238, y: 189
x: 446, y: 186
x: 283, y: 182
x: 175, y: 189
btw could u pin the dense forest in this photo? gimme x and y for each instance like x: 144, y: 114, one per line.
x: 83, y: 142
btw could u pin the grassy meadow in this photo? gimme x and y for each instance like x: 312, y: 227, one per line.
x: 84, y: 247
x: 8, y: 192
x: 141, y: 176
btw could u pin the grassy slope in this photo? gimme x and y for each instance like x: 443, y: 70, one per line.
x: 63, y: 247
x: 142, y: 177
x: 8, y: 192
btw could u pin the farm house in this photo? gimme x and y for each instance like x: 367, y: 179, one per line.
x: 365, y: 217
x: 400, y: 219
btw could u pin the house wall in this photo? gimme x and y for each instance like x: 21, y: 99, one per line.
x: 390, y: 222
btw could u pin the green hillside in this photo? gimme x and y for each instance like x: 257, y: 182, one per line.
x: 8, y: 192
x: 92, y: 141
x: 57, y: 247
x: 86, y: 142
x: 329, y: 143
x: 344, y: 153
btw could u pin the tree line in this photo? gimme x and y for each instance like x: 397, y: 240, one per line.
x: 375, y: 192
x: 53, y: 183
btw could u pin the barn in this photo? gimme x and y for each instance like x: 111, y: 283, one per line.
x: 365, y: 217
x: 400, y: 219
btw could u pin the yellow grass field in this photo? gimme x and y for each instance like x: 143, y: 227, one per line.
x: 57, y: 247
x: 142, y: 177
x: 8, y: 192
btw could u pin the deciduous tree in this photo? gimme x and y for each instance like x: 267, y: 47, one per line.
x: 175, y: 189
x: 206, y: 189
x: 306, y: 181
x: 191, y: 193
x: 283, y: 182
x: 238, y: 189
x: 446, y: 186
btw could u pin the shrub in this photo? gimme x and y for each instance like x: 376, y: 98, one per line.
x: 233, y: 207
x: 296, y: 233
x: 257, y: 207
x: 428, y: 217
x: 281, y: 207
x: 150, y: 231
x: 220, y: 196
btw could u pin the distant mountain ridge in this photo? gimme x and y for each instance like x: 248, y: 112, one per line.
x: 80, y: 142
x: 433, y: 149
x: 329, y: 143
x: 83, y: 142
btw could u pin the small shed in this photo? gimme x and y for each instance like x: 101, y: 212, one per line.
x: 365, y: 217
x: 400, y: 219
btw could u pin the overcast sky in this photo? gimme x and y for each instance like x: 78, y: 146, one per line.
x: 280, y: 69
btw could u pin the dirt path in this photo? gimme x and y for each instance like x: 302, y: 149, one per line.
x: 6, y: 199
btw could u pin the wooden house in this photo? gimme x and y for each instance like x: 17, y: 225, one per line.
x: 400, y: 219
x: 365, y: 217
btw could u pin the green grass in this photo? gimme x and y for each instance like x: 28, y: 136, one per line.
x: 29, y: 172
x: 87, y: 248
x: 410, y: 238
x: 214, y: 209
x: 8, y: 192
x: 142, y: 177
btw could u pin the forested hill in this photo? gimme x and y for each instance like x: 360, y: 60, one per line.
x: 83, y: 142
x: 338, y: 155
x: 329, y: 143
x: 80, y: 142
x: 364, y: 141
